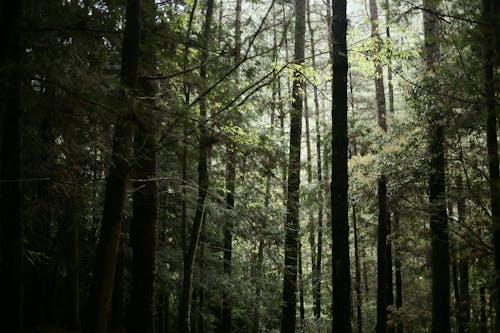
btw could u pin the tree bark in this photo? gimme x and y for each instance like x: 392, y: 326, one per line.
x: 384, y: 276
x: 341, y: 282
x: 11, y: 232
x: 288, y: 319
x: 116, y: 182
x: 440, y: 256
x: 492, y: 143
x: 143, y: 227
x: 203, y: 183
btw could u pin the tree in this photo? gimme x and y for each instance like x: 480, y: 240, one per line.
x: 11, y: 241
x: 440, y: 257
x: 230, y: 188
x: 203, y: 183
x: 292, y: 203
x: 145, y: 195
x: 384, y: 266
x: 116, y: 182
x: 341, y: 282
x: 492, y: 142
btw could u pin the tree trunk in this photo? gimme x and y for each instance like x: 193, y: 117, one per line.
x: 203, y: 183
x: 317, y: 267
x: 143, y: 227
x: 11, y: 232
x: 440, y: 256
x: 341, y: 282
x: 384, y: 278
x: 492, y: 144
x: 230, y: 188
x: 116, y: 182
x: 357, y: 282
x: 293, y: 194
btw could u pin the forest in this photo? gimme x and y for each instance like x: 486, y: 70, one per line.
x: 253, y: 166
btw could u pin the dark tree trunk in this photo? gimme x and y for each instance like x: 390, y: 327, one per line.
x: 288, y: 319
x: 492, y: 143
x: 384, y: 266
x: 357, y: 283
x: 11, y: 232
x: 118, y: 298
x: 341, y: 280
x: 143, y: 224
x: 440, y: 256
x: 203, y: 183
x: 116, y: 182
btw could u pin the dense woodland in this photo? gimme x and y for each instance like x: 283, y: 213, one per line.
x: 249, y: 166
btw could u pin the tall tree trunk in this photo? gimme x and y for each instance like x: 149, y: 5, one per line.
x: 317, y: 267
x: 116, y: 182
x: 384, y: 290
x: 492, y: 143
x: 292, y: 202
x: 357, y: 281
x: 341, y: 281
x: 440, y: 257
x: 302, y: 310
x: 230, y: 188
x: 145, y: 205
x: 203, y: 183
x: 11, y: 232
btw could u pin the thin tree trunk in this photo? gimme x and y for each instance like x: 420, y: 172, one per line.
x: 317, y: 267
x: 116, y: 183
x: 341, y: 281
x: 203, y: 183
x: 357, y: 282
x: 230, y: 188
x: 11, y: 232
x: 492, y: 144
x: 440, y: 257
x: 384, y: 278
x: 292, y: 203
